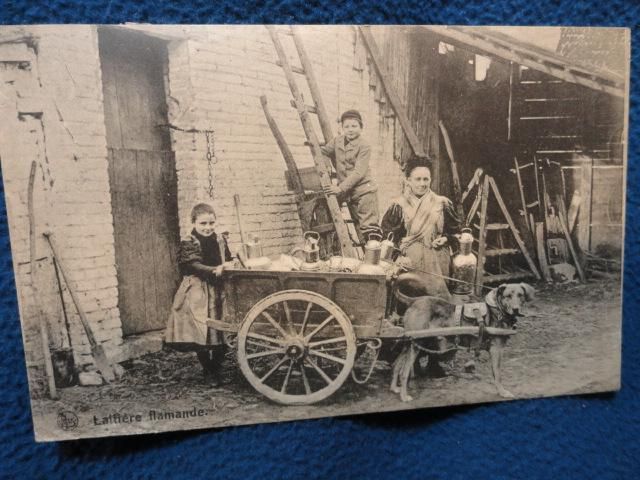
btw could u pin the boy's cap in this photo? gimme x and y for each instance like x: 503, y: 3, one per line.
x: 351, y: 114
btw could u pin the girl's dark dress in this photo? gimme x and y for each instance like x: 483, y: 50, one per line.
x: 199, y: 296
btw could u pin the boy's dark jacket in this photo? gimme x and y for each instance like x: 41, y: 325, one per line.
x: 351, y: 160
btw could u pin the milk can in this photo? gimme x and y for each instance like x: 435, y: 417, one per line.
x: 255, y: 259
x: 387, y: 247
x: 464, y: 264
x: 372, y: 251
x: 311, y: 252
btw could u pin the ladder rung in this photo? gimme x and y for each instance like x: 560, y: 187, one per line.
x: 308, y: 108
x: 496, y: 252
x: 497, y: 226
x: 294, y: 69
x: 526, y: 165
x: 308, y: 144
x: 494, y: 226
x: 533, y: 204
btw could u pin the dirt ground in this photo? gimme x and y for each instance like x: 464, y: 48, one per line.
x: 568, y: 343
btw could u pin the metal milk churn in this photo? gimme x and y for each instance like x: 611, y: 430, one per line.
x: 255, y: 259
x: 464, y: 264
x: 387, y: 247
x: 311, y: 252
x: 372, y: 252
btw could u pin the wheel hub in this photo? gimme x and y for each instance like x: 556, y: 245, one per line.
x: 295, y: 349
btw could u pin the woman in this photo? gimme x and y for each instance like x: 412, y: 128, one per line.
x: 423, y: 224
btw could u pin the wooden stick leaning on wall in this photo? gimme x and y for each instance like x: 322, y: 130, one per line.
x: 243, y: 238
x: 97, y: 351
x: 44, y: 334
x: 457, y: 189
x: 394, y: 99
x: 562, y: 217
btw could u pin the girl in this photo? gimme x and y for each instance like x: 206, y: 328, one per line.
x: 199, y: 296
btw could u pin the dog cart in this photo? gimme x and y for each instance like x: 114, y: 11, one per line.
x: 298, y: 332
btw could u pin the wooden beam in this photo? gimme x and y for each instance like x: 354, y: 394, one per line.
x: 477, y: 44
x: 542, y: 253
x: 514, y: 230
x: 574, y: 255
x: 452, y: 331
x: 457, y: 190
x: 296, y: 181
x: 482, y: 236
x: 323, y: 117
x: 394, y: 99
x: 42, y: 324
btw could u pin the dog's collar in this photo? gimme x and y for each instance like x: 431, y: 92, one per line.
x: 492, y: 301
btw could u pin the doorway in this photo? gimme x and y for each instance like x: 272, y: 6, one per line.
x: 142, y: 176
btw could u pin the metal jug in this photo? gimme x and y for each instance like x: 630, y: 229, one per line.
x: 372, y: 251
x: 255, y: 259
x: 387, y: 249
x: 311, y: 252
x: 464, y: 264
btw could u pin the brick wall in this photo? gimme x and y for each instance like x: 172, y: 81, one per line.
x: 214, y: 79
x: 53, y: 114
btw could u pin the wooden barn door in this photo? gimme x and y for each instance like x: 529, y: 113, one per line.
x: 142, y: 176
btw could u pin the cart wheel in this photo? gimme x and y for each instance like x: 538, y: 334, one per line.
x: 296, y: 347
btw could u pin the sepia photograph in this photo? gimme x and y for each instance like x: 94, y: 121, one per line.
x: 227, y: 225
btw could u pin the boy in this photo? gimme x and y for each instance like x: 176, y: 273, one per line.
x: 350, y: 154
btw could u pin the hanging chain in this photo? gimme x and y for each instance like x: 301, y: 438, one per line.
x: 211, y: 160
x: 211, y: 150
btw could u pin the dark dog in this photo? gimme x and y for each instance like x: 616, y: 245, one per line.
x: 503, y: 304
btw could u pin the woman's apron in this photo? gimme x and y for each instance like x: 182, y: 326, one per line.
x: 424, y: 222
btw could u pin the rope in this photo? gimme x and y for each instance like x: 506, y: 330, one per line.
x: 445, y: 277
x: 376, y: 348
x: 435, y: 352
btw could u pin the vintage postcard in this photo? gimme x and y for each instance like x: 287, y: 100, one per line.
x: 225, y: 225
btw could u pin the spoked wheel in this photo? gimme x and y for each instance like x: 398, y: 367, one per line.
x: 296, y: 347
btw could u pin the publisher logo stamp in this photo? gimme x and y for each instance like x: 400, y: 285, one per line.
x: 67, y: 420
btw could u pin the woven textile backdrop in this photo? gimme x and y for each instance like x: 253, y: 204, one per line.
x: 574, y: 437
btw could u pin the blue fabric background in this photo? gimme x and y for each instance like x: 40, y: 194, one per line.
x: 575, y: 437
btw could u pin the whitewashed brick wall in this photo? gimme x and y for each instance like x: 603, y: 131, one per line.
x: 63, y: 82
x: 218, y: 85
x: 215, y: 78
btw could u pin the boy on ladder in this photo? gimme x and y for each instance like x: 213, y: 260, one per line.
x: 350, y: 154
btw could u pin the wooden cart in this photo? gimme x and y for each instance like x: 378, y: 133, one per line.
x: 298, y: 332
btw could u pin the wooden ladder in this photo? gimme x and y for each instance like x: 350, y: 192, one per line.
x: 486, y: 187
x: 528, y: 206
x: 322, y: 163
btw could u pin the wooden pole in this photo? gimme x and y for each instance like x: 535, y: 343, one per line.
x: 457, y: 189
x: 574, y: 255
x: 542, y: 254
x: 513, y: 228
x: 243, y: 238
x: 482, y: 236
x: 44, y: 334
x: 396, y: 104
x: 99, y: 355
x: 323, y: 117
x: 294, y: 174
